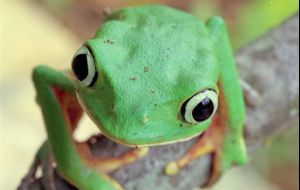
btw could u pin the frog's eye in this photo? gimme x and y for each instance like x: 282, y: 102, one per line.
x: 200, y: 107
x: 83, y: 66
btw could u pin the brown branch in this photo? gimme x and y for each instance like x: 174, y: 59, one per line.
x: 271, y: 66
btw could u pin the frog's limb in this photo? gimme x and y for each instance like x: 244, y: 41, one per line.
x: 208, y: 143
x: 233, y: 108
x: 58, y: 124
x: 204, y: 145
x: 224, y: 138
x: 108, y: 164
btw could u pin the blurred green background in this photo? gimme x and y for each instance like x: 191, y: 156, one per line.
x: 48, y: 32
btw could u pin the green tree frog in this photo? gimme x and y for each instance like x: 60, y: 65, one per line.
x: 151, y: 75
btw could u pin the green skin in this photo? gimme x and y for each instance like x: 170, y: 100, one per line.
x: 137, y: 108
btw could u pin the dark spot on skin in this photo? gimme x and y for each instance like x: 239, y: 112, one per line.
x: 155, y: 105
x: 152, y: 91
x: 146, y: 69
x: 121, y: 16
x: 180, y: 125
x: 109, y: 41
x: 113, y: 106
x: 133, y: 78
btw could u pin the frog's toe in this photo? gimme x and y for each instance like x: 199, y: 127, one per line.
x: 241, y: 159
x: 142, y: 152
x: 223, y: 160
x: 172, y: 168
x: 234, y: 152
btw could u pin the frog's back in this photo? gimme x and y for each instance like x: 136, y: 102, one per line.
x: 159, y: 14
x: 151, y: 18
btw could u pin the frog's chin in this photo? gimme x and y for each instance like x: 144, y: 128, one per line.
x: 119, y: 141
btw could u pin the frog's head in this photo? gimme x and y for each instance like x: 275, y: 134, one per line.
x: 149, y: 76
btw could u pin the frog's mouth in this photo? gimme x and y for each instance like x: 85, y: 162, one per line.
x: 151, y: 144
x: 146, y: 141
x: 93, y: 137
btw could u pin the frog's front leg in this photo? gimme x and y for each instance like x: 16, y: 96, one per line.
x: 59, y: 122
x: 232, y: 109
x: 108, y: 164
x: 213, y: 141
x: 207, y: 143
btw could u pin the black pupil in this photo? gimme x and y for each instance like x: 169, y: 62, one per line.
x: 203, y: 110
x: 80, y: 66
